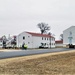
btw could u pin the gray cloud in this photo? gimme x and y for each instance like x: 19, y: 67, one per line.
x: 23, y: 15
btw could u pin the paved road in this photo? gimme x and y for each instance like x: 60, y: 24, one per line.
x: 18, y: 53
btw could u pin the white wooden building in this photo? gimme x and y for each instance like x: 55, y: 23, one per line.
x: 69, y: 36
x: 59, y: 43
x: 34, y: 40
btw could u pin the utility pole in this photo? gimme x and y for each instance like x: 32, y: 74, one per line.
x: 50, y: 42
x: 50, y: 38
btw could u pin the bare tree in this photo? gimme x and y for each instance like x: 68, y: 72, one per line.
x: 4, y: 41
x: 43, y: 27
x: 50, y: 33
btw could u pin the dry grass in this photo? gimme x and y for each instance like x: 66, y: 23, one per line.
x: 51, y: 64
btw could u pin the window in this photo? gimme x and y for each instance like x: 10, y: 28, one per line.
x: 45, y: 43
x: 52, y: 43
x: 28, y: 36
x: 52, y: 39
x: 42, y: 38
x: 28, y: 42
x: 45, y: 38
x: 23, y: 37
x: 41, y: 44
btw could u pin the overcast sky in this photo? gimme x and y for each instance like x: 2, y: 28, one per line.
x: 17, y: 16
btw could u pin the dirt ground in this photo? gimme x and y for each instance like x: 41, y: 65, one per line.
x: 62, y: 63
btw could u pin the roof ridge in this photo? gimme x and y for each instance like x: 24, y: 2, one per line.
x: 39, y: 34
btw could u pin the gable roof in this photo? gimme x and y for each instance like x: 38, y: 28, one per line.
x: 59, y: 41
x: 69, y: 28
x: 40, y: 35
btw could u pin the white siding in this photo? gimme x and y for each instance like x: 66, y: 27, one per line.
x: 38, y: 40
x: 33, y: 41
x: 59, y: 45
x: 52, y: 42
x: 27, y: 40
x: 66, y: 34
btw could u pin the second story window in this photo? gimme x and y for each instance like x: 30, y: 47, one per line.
x: 42, y: 38
x: 45, y: 38
x: 23, y: 37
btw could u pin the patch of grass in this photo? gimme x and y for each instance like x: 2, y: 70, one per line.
x: 58, y: 64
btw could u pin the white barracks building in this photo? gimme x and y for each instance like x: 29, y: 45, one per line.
x: 34, y: 40
x: 69, y: 36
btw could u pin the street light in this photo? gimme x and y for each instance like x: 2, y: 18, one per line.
x: 50, y: 42
x: 50, y: 38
